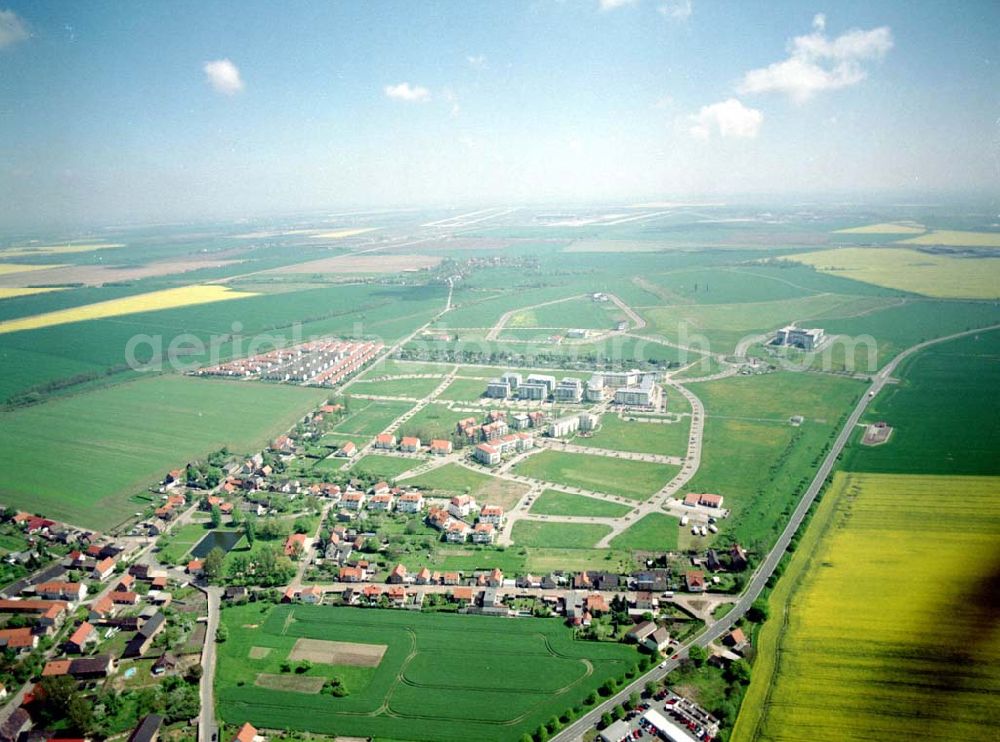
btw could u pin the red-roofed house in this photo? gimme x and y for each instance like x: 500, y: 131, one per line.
x: 295, y: 544
x: 457, y: 532
x: 385, y: 440
x: 440, y: 447
x: 75, y: 591
x: 487, y: 454
x: 409, y: 444
x: 351, y: 574
x: 397, y: 576
x: 125, y: 598
x: 461, y: 505
x: 484, y: 533
x: 247, y: 733
x: 710, y: 501
x: 347, y: 450
x: 195, y: 567
x: 411, y: 502
x: 695, y: 581
x: 18, y: 640
x: 102, y: 608
x: 492, y: 514
x: 78, y: 641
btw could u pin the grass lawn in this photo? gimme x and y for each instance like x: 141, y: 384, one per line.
x: 558, y: 535
x: 654, y: 532
x: 175, y: 545
x: 415, y: 388
x: 432, y: 421
x: 453, y: 479
x: 554, y: 502
x: 380, y: 465
x: 754, y: 458
x: 636, y: 480
x: 79, y: 458
x: 438, y: 680
x: 367, y: 417
x: 616, y: 434
x: 464, y: 390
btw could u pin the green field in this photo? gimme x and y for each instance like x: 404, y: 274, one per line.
x: 368, y: 417
x: 382, y: 466
x: 450, y: 478
x: 432, y: 421
x: 584, y: 313
x: 558, y: 535
x: 464, y: 390
x: 884, y: 623
x: 554, y: 502
x: 635, y: 480
x: 616, y: 434
x: 753, y: 457
x: 413, y: 388
x: 438, y: 680
x: 944, y: 412
x: 654, y: 532
x: 79, y: 458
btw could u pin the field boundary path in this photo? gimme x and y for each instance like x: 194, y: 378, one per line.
x: 716, y: 629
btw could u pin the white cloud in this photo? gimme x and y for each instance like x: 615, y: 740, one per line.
x: 728, y: 118
x: 409, y: 93
x: 12, y: 28
x: 664, y: 102
x: 223, y: 76
x: 676, y: 10
x: 817, y: 63
x: 477, y: 60
x: 613, y: 4
x: 450, y: 97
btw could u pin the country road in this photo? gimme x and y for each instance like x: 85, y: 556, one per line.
x: 764, y: 571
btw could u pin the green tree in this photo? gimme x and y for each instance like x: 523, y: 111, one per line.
x: 250, y: 529
x: 81, y: 713
x: 213, y: 564
x: 697, y: 655
x: 221, y: 633
x: 216, y: 516
x: 759, y: 611
x: 606, y: 720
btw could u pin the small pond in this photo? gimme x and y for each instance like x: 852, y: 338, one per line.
x: 225, y: 540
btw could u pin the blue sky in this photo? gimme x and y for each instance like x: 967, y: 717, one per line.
x: 168, y: 111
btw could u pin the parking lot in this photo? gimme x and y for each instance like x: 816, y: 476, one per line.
x: 665, y: 716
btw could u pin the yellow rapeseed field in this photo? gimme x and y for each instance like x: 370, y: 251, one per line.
x: 10, y: 293
x: 882, y: 627
x: 911, y: 270
x: 8, y: 268
x: 338, y: 234
x: 886, y: 228
x: 73, y: 247
x: 955, y: 238
x: 166, y: 299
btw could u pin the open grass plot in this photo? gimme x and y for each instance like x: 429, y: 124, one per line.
x: 753, y: 457
x: 582, y: 312
x: 412, y: 388
x: 432, y: 421
x: 883, y: 624
x: 368, y: 417
x: 441, y: 677
x: 654, y: 532
x: 79, y: 458
x: 636, y: 480
x: 558, y: 535
x: 554, y: 502
x: 453, y: 479
x: 379, y: 465
x: 641, y: 435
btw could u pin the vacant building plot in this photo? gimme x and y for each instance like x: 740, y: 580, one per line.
x: 381, y: 466
x: 79, y: 458
x: 454, y: 479
x: 754, y: 457
x: 410, y: 388
x: 464, y: 390
x: 938, y: 275
x: 439, y: 679
x: 558, y: 535
x: 635, y: 480
x: 555, y: 502
x: 153, y: 301
x: 655, y: 435
x: 883, y: 624
x: 337, y: 653
x: 434, y: 420
x: 369, y: 417
x: 653, y: 532
x: 348, y: 263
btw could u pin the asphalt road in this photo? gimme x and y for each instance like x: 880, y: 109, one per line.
x: 207, y: 729
x: 764, y: 571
